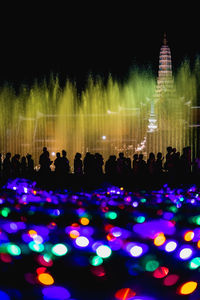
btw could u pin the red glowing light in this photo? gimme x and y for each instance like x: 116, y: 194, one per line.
x: 6, y: 258
x: 160, y: 272
x: 108, y: 227
x: 125, y: 294
x: 98, y: 271
x: 40, y: 270
x: 171, y: 280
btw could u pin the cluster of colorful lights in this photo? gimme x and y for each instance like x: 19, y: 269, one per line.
x: 126, y: 245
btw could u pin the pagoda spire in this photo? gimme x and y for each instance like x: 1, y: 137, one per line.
x: 164, y: 81
x: 165, y: 39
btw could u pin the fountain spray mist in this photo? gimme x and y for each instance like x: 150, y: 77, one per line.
x: 106, y: 118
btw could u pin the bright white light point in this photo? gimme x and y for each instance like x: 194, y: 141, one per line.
x: 103, y: 137
x: 185, y: 253
x: 136, y: 251
x: 82, y: 241
x: 103, y: 251
x: 53, y: 153
x: 170, y: 246
x: 59, y: 249
x: 38, y: 239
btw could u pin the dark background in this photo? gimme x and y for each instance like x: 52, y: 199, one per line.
x: 73, y: 40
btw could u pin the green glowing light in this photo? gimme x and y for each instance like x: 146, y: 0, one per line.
x: 174, y: 209
x: 194, y: 263
x: 5, y: 212
x: 13, y: 249
x: 197, y: 220
x: 143, y: 200
x: 96, y: 260
x: 59, y: 249
x: 151, y: 265
x: 111, y: 215
x: 36, y: 247
x: 140, y: 219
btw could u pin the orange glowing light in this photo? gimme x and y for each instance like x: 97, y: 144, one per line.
x: 110, y: 237
x: 198, y: 244
x: 84, y: 221
x: 189, y: 235
x: 74, y: 234
x: 187, y: 288
x: 34, y: 192
x: 160, y: 272
x: 160, y: 239
x: 75, y: 225
x: 124, y: 294
x: 32, y: 233
x: 45, y: 279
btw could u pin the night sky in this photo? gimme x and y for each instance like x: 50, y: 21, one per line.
x: 75, y: 40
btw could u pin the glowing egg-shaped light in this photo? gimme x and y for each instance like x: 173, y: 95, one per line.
x: 82, y: 241
x: 56, y: 293
x: 170, y: 246
x: 103, y: 251
x: 59, y: 249
x: 13, y: 249
x: 45, y: 279
x: 188, y: 288
x: 136, y: 251
x: 185, y: 253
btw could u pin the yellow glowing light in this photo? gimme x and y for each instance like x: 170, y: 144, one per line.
x: 189, y: 235
x: 159, y: 239
x: 32, y: 233
x: 188, y: 288
x: 74, y: 234
x: 84, y: 221
x: 45, y: 279
x: 198, y: 244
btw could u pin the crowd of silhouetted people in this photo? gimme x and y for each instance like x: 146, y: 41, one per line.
x: 173, y: 167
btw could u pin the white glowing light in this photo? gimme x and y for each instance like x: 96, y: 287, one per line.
x: 170, y: 246
x: 82, y: 241
x: 103, y: 251
x: 185, y: 253
x: 136, y: 251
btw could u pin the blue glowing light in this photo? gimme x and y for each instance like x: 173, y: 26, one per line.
x: 56, y: 293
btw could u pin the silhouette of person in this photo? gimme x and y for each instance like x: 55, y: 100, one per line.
x: 15, y: 165
x: 0, y: 163
x: 23, y: 167
x: 142, y: 166
x: 44, y: 160
x: 78, y: 164
x: 7, y: 166
x: 121, y: 164
x: 159, y: 164
x: 98, y: 167
x: 65, y: 167
x: 151, y: 166
x: 135, y: 164
x: 58, y: 164
x: 110, y: 166
x: 169, y: 160
x: 30, y: 166
x: 88, y: 164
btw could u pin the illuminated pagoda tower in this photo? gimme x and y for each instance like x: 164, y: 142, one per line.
x: 165, y: 122
x: 165, y: 79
